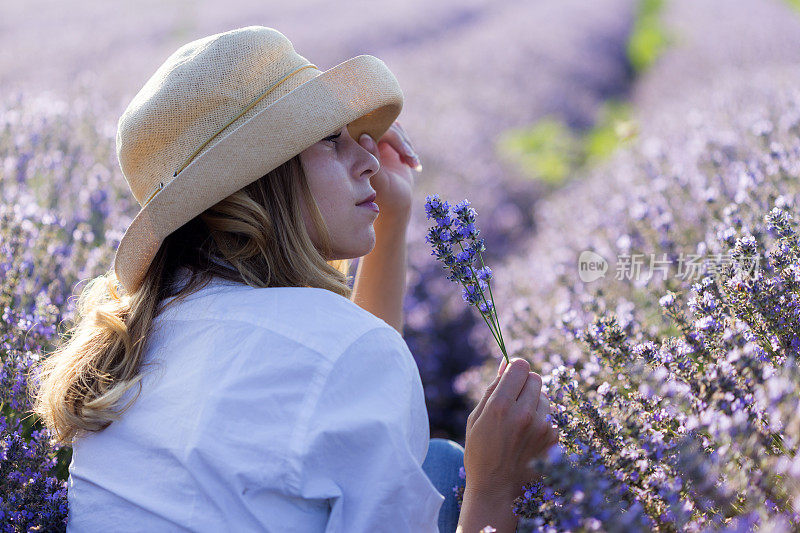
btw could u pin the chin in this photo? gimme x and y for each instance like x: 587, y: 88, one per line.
x: 364, y: 248
x: 361, y: 253
x: 355, y: 251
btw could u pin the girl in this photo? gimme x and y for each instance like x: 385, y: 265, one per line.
x: 223, y: 376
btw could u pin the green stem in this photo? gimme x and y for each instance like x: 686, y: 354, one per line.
x: 475, y: 277
x: 494, y: 307
x: 491, y: 329
x: 492, y: 313
x: 496, y: 339
x: 490, y: 325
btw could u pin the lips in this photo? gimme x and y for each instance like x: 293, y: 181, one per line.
x: 370, y: 198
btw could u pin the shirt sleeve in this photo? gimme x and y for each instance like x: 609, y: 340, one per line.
x: 366, y: 438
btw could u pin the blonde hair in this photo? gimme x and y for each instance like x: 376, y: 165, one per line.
x: 258, y: 230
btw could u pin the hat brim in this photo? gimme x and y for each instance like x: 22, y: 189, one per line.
x: 360, y: 92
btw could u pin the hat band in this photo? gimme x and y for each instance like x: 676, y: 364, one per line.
x: 234, y: 119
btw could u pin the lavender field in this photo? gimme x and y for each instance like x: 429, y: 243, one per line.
x: 674, y: 389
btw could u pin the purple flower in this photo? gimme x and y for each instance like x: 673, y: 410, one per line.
x: 485, y: 307
x: 484, y: 273
x: 460, y: 252
x: 471, y: 294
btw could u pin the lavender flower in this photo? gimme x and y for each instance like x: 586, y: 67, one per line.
x: 454, y: 239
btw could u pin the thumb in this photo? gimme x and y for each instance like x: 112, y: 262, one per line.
x: 503, y: 364
x: 487, y: 393
x: 368, y: 143
x: 489, y: 390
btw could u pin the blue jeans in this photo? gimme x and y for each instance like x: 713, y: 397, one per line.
x: 442, y: 464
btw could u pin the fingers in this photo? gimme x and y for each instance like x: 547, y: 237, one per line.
x: 552, y: 431
x: 397, y: 138
x: 541, y: 434
x: 390, y: 139
x: 549, y: 440
x: 369, y: 144
x: 486, y: 395
x: 502, y: 367
x: 479, y: 408
x: 544, y: 427
x: 405, y: 136
x: 528, y: 399
x: 553, y: 435
x: 511, y: 383
x: 524, y: 412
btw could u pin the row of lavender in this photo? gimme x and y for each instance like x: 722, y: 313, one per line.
x: 56, y: 229
x: 673, y: 376
x: 674, y: 382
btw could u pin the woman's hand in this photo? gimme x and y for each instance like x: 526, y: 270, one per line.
x: 394, y: 182
x: 507, y: 429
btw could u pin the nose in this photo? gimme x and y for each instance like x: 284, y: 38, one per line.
x: 367, y: 162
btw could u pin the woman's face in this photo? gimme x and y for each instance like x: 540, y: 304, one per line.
x: 338, y: 170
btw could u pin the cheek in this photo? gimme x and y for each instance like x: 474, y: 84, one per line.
x: 309, y: 223
x: 327, y: 181
x: 333, y: 198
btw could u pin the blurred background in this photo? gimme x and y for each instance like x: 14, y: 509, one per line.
x: 526, y: 108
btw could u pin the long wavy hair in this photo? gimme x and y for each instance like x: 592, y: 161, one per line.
x: 258, y: 231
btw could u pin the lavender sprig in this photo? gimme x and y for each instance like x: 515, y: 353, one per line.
x: 455, y: 226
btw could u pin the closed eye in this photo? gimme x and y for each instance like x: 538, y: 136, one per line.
x: 332, y: 137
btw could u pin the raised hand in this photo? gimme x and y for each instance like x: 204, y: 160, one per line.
x: 394, y: 182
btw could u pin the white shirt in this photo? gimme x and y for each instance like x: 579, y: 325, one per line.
x: 280, y: 409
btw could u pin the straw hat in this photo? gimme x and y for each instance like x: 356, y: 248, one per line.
x: 220, y: 113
